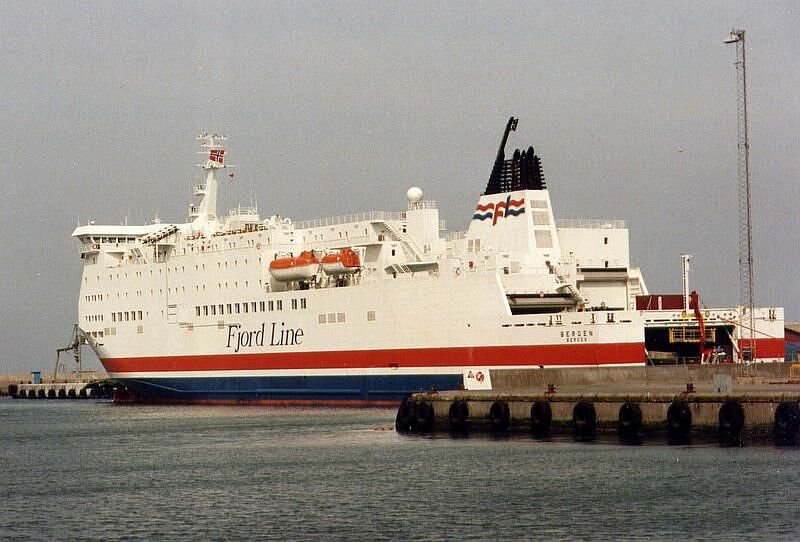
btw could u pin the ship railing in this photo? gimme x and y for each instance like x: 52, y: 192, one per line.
x: 243, y: 211
x: 455, y: 235
x: 590, y: 223
x: 423, y: 204
x: 367, y: 216
x: 406, y: 240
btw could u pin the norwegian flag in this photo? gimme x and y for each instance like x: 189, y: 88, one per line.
x: 217, y: 155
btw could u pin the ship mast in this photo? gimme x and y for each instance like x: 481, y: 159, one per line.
x: 204, y: 215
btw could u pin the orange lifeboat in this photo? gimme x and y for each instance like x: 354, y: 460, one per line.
x: 302, y: 267
x: 344, y: 262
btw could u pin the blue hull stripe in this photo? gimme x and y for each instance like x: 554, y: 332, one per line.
x: 327, y: 388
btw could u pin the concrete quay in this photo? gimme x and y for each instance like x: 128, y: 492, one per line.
x: 733, y: 402
x: 88, y: 384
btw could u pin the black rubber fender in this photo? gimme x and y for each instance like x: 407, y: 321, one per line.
x: 425, y: 417
x: 541, y: 416
x: 731, y: 418
x: 787, y: 420
x: 630, y: 418
x: 584, y: 418
x: 458, y: 416
x: 679, y: 419
x: 499, y: 417
x: 406, y: 416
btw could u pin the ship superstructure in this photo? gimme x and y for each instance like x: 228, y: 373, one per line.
x: 368, y: 307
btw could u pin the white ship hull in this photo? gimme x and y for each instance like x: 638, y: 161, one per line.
x: 191, y: 312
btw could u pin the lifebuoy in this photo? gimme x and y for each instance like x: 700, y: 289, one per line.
x: 731, y: 418
x: 499, y: 417
x: 630, y: 419
x: 679, y: 420
x: 584, y: 418
x: 541, y: 417
x: 459, y: 416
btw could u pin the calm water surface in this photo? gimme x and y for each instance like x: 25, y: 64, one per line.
x: 93, y: 470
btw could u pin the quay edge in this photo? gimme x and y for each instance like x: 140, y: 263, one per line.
x: 735, y: 403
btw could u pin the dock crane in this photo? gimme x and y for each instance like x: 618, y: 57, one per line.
x: 75, y: 347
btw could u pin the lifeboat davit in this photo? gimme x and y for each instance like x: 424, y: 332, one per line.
x: 291, y: 269
x: 344, y: 262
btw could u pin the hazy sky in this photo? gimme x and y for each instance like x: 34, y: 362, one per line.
x: 338, y: 107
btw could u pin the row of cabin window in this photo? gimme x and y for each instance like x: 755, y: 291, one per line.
x: 94, y: 317
x: 127, y: 316
x: 331, y: 318
x: 246, y: 307
x: 339, y: 317
x: 93, y: 297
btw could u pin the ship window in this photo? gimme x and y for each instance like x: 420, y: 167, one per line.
x: 119, y: 317
x: 370, y: 316
x: 605, y: 240
x: 340, y: 317
x: 543, y: 239
x: 331, y: 317
x: 213, y: 310
x: 205, y: 310
x: 127, y: 316
x: 261, y: 306
x: 221, y: 308
x: 197, y: 310
x: 113, y: 317
x: 393, y: 252
x: 541, y: 218
x: 140, y: 315
x: 246, y: 307
x: 229, y: 309
x: 321, y: 318
x: 539, y: 204
x: 279, y: 305
x: 253, y: 306
x: 303, y: 303
x: 238, y: 308
x: 294, y: 304
x: 271, y: 305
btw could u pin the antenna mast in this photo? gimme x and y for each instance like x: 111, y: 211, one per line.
x: 746, y: 294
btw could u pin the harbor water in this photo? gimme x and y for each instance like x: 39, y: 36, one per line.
x: 90, y: 470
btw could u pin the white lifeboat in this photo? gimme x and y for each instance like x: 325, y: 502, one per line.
x: 291, y: 269
x: 344, y: 262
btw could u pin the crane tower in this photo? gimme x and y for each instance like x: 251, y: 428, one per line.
x: 745, y: 215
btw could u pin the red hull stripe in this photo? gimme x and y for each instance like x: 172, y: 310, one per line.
x: 572, y: 354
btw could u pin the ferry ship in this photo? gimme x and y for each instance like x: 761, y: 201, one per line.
x: 366, y: 308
